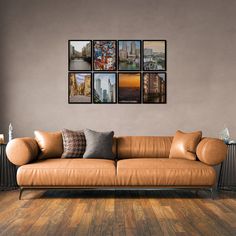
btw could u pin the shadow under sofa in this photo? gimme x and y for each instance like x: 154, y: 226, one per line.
x: 140, y: 162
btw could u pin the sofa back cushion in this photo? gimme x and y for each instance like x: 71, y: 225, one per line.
x: 50, y: 144
x: 143, y: 147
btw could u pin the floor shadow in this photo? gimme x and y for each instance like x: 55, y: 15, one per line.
x: 125, y: 194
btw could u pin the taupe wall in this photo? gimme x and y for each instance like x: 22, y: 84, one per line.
x: 201, y: 37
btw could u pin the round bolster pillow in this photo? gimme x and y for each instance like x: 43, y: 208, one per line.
x: 21, y: 151
x: 211, y: 151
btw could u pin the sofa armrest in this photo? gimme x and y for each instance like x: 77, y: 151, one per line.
x: 211, y: 151
x: 21, y: 151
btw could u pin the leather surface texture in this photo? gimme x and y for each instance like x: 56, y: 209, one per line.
x: 164, y: 172
x: 184, y: 145
x: 21, y: 151
x: 143, y: 147
x: 211, y: 151
x: 50, y: 143
x: 67, y: 172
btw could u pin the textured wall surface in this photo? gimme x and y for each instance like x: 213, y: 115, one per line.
x: 201, y: 64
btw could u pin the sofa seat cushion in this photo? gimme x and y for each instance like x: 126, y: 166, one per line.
x: 164, y: 172
x: 67, y: 172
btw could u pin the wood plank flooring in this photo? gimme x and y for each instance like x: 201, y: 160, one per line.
x: 91, y: 212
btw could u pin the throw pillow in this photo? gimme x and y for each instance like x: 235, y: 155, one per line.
x: 99, y: 144
x: 74, y: 143
x: 50, y: 144
x: 184, y: 145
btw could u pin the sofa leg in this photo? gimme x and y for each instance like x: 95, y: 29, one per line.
x: 21, y: 191
x: 213, y: 192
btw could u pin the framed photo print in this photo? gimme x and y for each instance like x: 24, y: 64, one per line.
x: 104, y: 87
x: 154, y: 55
x: 154, y: 87
x: 80, y: 55
x: 104, y: 55
x: 79, y: 87
x: 129, y: 88
x: 129, y: 55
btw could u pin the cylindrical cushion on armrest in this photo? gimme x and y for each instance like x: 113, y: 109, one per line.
x: 211, y: 151
x: 21, y: 151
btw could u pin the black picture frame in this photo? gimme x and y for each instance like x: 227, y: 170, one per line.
x: 69, y: 53
x: 140, y: 90
x: 143, y: 49
x: 118, y: 55
x: 93, y: 58
x: 143, y: 87
x: 91, y: 90
x: 93, y: 86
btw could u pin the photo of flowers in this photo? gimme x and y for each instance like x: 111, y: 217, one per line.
x: 154, y: 87
x: 154, y: 57
x: 80, y: 87
x: 129, y: 88
x: 129, y: 54
x: 104, y: 88
x: 104, y: 55
x: 80, y: 57
x: 125, y: 71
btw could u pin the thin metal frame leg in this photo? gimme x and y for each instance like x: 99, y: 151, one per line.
x: 21, y: 191
x: 213, y: 192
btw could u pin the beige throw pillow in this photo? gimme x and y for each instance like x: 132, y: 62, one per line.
x: 184, y: 145
x: 50, y: 143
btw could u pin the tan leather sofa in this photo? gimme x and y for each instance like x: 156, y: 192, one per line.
x: 140, y: 162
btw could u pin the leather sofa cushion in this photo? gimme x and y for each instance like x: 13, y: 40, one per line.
x: 164, y: 172
x: 50, y: 144
x: 143, y: 147
x: 184, y: 145
x: 67, y: 172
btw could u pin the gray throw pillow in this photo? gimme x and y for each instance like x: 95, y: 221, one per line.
x: 98, y: 144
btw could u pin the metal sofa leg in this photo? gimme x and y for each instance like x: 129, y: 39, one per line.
x: 21, y: 191
x: 213, y: 193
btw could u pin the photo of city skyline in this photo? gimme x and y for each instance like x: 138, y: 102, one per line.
x: 80, y: 87
x: 154, y: 87
x: 129, y: 54
x: 104, y: 88
x: 104, y: 55
x: 80, y: 57
x: 154, y: 55
x: 129, y: 90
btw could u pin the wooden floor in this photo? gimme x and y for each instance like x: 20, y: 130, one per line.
x: 117, y: 213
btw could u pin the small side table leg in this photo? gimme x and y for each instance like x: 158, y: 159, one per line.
x: 220, y: 177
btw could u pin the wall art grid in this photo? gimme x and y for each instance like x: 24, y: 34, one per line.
x: 117, y: 71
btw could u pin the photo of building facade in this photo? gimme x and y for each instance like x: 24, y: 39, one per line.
x: 104, y: 88
x: 154, y: 57
x: 154, y: 88
x: 80, y: 57
x: 80, y: 88
x: 129, y: 90
x: 104, y: 54
x: 129, y: 55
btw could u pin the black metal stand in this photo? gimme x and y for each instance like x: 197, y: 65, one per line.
x: 227, y: 175
x: 7, y: 171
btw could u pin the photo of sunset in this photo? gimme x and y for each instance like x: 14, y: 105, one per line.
x: 129, y: 88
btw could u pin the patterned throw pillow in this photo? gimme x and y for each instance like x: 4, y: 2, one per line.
x: 74, y: 143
